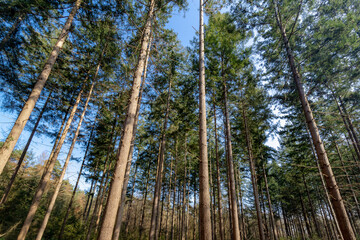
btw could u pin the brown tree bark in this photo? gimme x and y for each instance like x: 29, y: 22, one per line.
x: 204, y: 202
x: 331, y: 184
x: 116, y: 185
x: 24, y: 115
x: 47, y: 173
x: 23, y: 154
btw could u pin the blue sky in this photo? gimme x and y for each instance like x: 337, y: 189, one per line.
x: 182, y: 22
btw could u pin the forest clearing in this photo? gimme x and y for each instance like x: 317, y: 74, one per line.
x: 174, y: 119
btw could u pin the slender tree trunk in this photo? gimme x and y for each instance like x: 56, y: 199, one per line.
x: 204, y: 202
x: 24, y: 115
x: 184, y: 200
x: 23, y: 154
x: 159, y: 172
x: 58, y: 186
x: 89, y: 200
x: 220, y: 215
x: 11, y: 31
x: 76, y: 186
x: 118, y: 222
x: 273, y: 223
x: 308, y: 228
x: 327, y: 195
x: 350, y: 124
x: 230, y: 162
x: 253, y: 176
x: 47, y: 174
x: 116, y: 186
x: 331, y: 184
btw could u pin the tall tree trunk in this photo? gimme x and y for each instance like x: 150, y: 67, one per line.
x: 23, y: 154
x: 47, y: 174
x: 76, y: 186
x: 220, y: 215
x: 230, y: 163
x: 116, y: 186
x: 327, y: 195
x: 253, y: 175
x: 118, y: 222
x: 24, y: 115
x: 308, y: 228
x: 159, y: 172
x: 184, y: 200
x: 204, y: 201
x: 58, y: 186
x: 331, y: 184
x: 273, y: 223
x: 11, y: 31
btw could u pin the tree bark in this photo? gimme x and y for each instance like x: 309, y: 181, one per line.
x: 23, y: 154
x: 331, y: 184
x: 204, y: 202
x: 144, y: 202
x: 24, y: 115
x: 116, y: 185
x: 48, y: 171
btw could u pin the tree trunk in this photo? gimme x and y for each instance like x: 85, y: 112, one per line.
x: 23, y: 154
x: 308, y: 228
x: 131, y: 201
x: 116, y: 185
x: 184, y: 200
x: 58, y: 186
x: 47, y: 174
x: 204, y: 202
x: 159, y: 172
x: 230, y: 163
x: 11, y: 31
x: 273, y: 223
x: 331, y: 184
x: 253, y: 175
x: 76, y: 186
x: 173, y: 209
x: 118, y: 222
x: 24, y: 115
x: 220, y: 215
